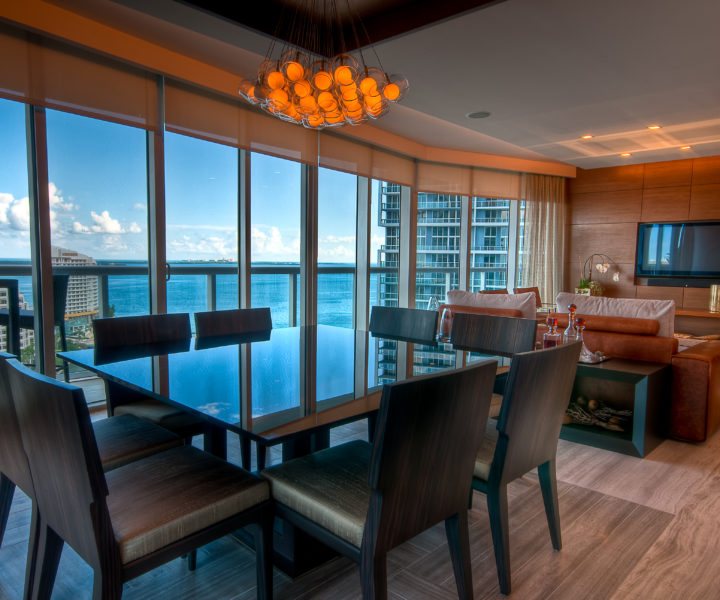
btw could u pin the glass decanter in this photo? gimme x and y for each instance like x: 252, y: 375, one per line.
x: 445, y: 325
x: 571, y: 333
x: 551, y: 337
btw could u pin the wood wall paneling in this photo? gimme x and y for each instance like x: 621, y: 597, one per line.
x: 665, y: 204
x: 608, y: 179
x: 660, y: 293
x: 706, y: 170
x: 617, y: 240
x: 668, y: 173
x: 696, y: 298
x: 619, y: 206
x: 705, y: 201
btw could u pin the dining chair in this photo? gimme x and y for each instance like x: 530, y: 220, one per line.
x: 494, y: 336
x: 218, y: 324
x: 409, y: 324
x: 132, y: 519
x: 120, y: 440
x: 534, y: 290
x: 525, y: 437
x: 364, y: 499
x: 120, y: 333
x: 18, y: 319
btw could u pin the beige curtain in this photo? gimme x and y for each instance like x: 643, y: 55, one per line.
x: 543, y: 250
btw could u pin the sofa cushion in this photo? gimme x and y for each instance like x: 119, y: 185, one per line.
x: 661, y: 310
x: 476, y: 310
x: 613, y: 324
x: 522, y: 302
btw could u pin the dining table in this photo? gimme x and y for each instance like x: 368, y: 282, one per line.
x: 285, y: 386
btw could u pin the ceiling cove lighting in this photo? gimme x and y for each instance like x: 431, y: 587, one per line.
x: 654, y: 127
x: 587, y: 136
x: 685, y: 147
x: 625, y: 154
x: 317, y: 88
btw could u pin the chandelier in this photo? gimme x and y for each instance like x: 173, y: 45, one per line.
x: 309, y: 88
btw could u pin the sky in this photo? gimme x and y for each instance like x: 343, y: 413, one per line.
x: 98, y: 196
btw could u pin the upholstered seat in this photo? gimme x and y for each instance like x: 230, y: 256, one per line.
x: 127, y: 438
x: 196, y: 488
x: 328, y: 487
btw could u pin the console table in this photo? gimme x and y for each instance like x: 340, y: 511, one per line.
x: 643, y: 388
x: 697, y: 322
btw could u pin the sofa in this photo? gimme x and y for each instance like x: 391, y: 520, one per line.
x: 643, y: 330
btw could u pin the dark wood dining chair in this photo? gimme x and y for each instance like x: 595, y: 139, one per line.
x: 534, y: 290
x: 363, y: 500
x: 409, y: 324
x: 120, y: 333
x: 16, y: 319
x: 14, y: 467
x: 222, y: 323
x: 134, y: 518
x: 525, y: 437
x: 494, y: 336
x: 121, y: 440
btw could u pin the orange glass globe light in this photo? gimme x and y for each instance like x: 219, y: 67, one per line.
x: 294, y: 71
x: 302, y: 88
x: 308, y: 103
x: 251, y: 94
x: 275, y: 80
x: 368, y: 86
x: 352, y: 104
x: 344, y: 75
x: 279, y: 96
x: 372, y: 101
x: 392, y: 91
x: 315, y: 120
x: 326, y: 100
x: 354, y: 113
x: 349, y: 92
x: 323, y: 80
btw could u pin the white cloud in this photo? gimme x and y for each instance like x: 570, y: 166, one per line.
x: 80, y: 228
x: 14, y: 212
x: 205, y: 227
x: 57, y: 201
x: 139, y: 206
x: 214, y: 246
x: 135, y: 228
x: 104, y: 223
x: 337, y: 239
x: 269, y: 244
x: 335, y: 253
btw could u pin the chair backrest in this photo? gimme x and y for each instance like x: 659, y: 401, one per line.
x: 534, y: 290
x: 536, y: 396
x: 13, y: 461
x: 428, y: 433
x: 120, y: 332
x: 494, y: 335
x: 412, y: 324
x: 60, y: 287
x: 60, y: 445
x: 232, y: 322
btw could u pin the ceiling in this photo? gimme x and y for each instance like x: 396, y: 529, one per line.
x: 547, y: 71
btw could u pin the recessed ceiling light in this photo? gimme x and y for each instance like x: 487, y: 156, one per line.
x: 685, y: 147
x: 653, y: 126
x: 586, y: 137
x: 481, y: 114
x: 625, y: 154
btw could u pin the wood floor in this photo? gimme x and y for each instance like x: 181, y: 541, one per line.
x: 632, y: 529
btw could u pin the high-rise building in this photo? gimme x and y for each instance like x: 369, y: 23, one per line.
x: 438, y: 260
x: 82, y: 295
x: 26, y: 335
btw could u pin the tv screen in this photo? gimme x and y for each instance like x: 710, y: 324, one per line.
x: 678, y: 249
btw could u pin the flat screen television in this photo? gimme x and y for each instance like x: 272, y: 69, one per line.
x: 679, y: 250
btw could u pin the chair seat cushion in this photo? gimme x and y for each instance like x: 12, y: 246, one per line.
x: 196, y: 489
x: 127, y: 438
x: 487, y: 451
x: 328, y: 487
x: 157, y: 412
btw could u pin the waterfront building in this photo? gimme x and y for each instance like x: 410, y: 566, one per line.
x: 82, y: 294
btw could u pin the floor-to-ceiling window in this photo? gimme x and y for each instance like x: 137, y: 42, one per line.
x: 15, y: 248
x: 201, y: 208
x: 97, y: 174
x: 337, y: 219
x: 489, y: 252
x: 275, y: 236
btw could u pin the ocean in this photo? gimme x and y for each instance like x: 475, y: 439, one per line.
x: 188, y: 293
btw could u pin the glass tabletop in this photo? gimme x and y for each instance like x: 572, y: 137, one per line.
x: 268, y: 385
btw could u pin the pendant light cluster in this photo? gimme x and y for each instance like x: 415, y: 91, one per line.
x: 305, y: 88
